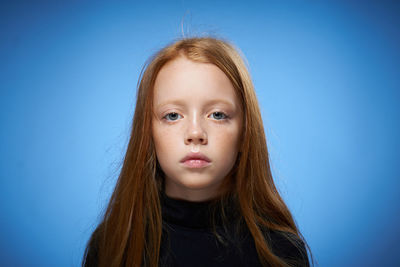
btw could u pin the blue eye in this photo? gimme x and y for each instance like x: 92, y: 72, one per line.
x: 173, y: 116
x: 219, y: 115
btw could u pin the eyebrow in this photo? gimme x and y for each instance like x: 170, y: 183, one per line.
x: 179, y: 102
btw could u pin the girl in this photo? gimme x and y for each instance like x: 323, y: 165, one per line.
x: 195, y: 188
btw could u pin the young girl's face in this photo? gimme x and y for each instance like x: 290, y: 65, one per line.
x: 196, y: 128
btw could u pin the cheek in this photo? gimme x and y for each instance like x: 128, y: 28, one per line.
x: 165, y: 142
x: 227, y: 139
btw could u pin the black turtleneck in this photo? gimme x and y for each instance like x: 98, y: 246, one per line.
x: 189, y: 239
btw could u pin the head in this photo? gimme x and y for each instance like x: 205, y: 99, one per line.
x: 197, y: 98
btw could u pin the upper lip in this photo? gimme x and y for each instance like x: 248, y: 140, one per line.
x: 194, y: 156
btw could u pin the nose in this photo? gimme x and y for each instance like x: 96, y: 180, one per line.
x: 195, y: 133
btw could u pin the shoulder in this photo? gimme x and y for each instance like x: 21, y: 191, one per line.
x: 289, y: 247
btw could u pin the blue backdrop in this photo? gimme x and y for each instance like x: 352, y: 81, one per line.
x: 326, y: 74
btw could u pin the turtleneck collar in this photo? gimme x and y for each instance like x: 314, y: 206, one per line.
x: 195, y: 215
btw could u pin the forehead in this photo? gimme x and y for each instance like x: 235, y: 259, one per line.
x: 194, y: 82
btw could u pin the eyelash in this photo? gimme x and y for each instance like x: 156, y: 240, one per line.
x: 225, y: 116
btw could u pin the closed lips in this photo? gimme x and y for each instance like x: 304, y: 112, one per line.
x: 196, y: 156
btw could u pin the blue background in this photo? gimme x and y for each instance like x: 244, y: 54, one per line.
x: 326, y: 74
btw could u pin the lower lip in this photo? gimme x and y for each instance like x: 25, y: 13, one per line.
x: 196, y: 163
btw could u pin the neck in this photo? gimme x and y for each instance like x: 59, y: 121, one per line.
x: 175, y: 191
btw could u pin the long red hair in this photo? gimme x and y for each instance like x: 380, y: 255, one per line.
x: 130, y: 231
